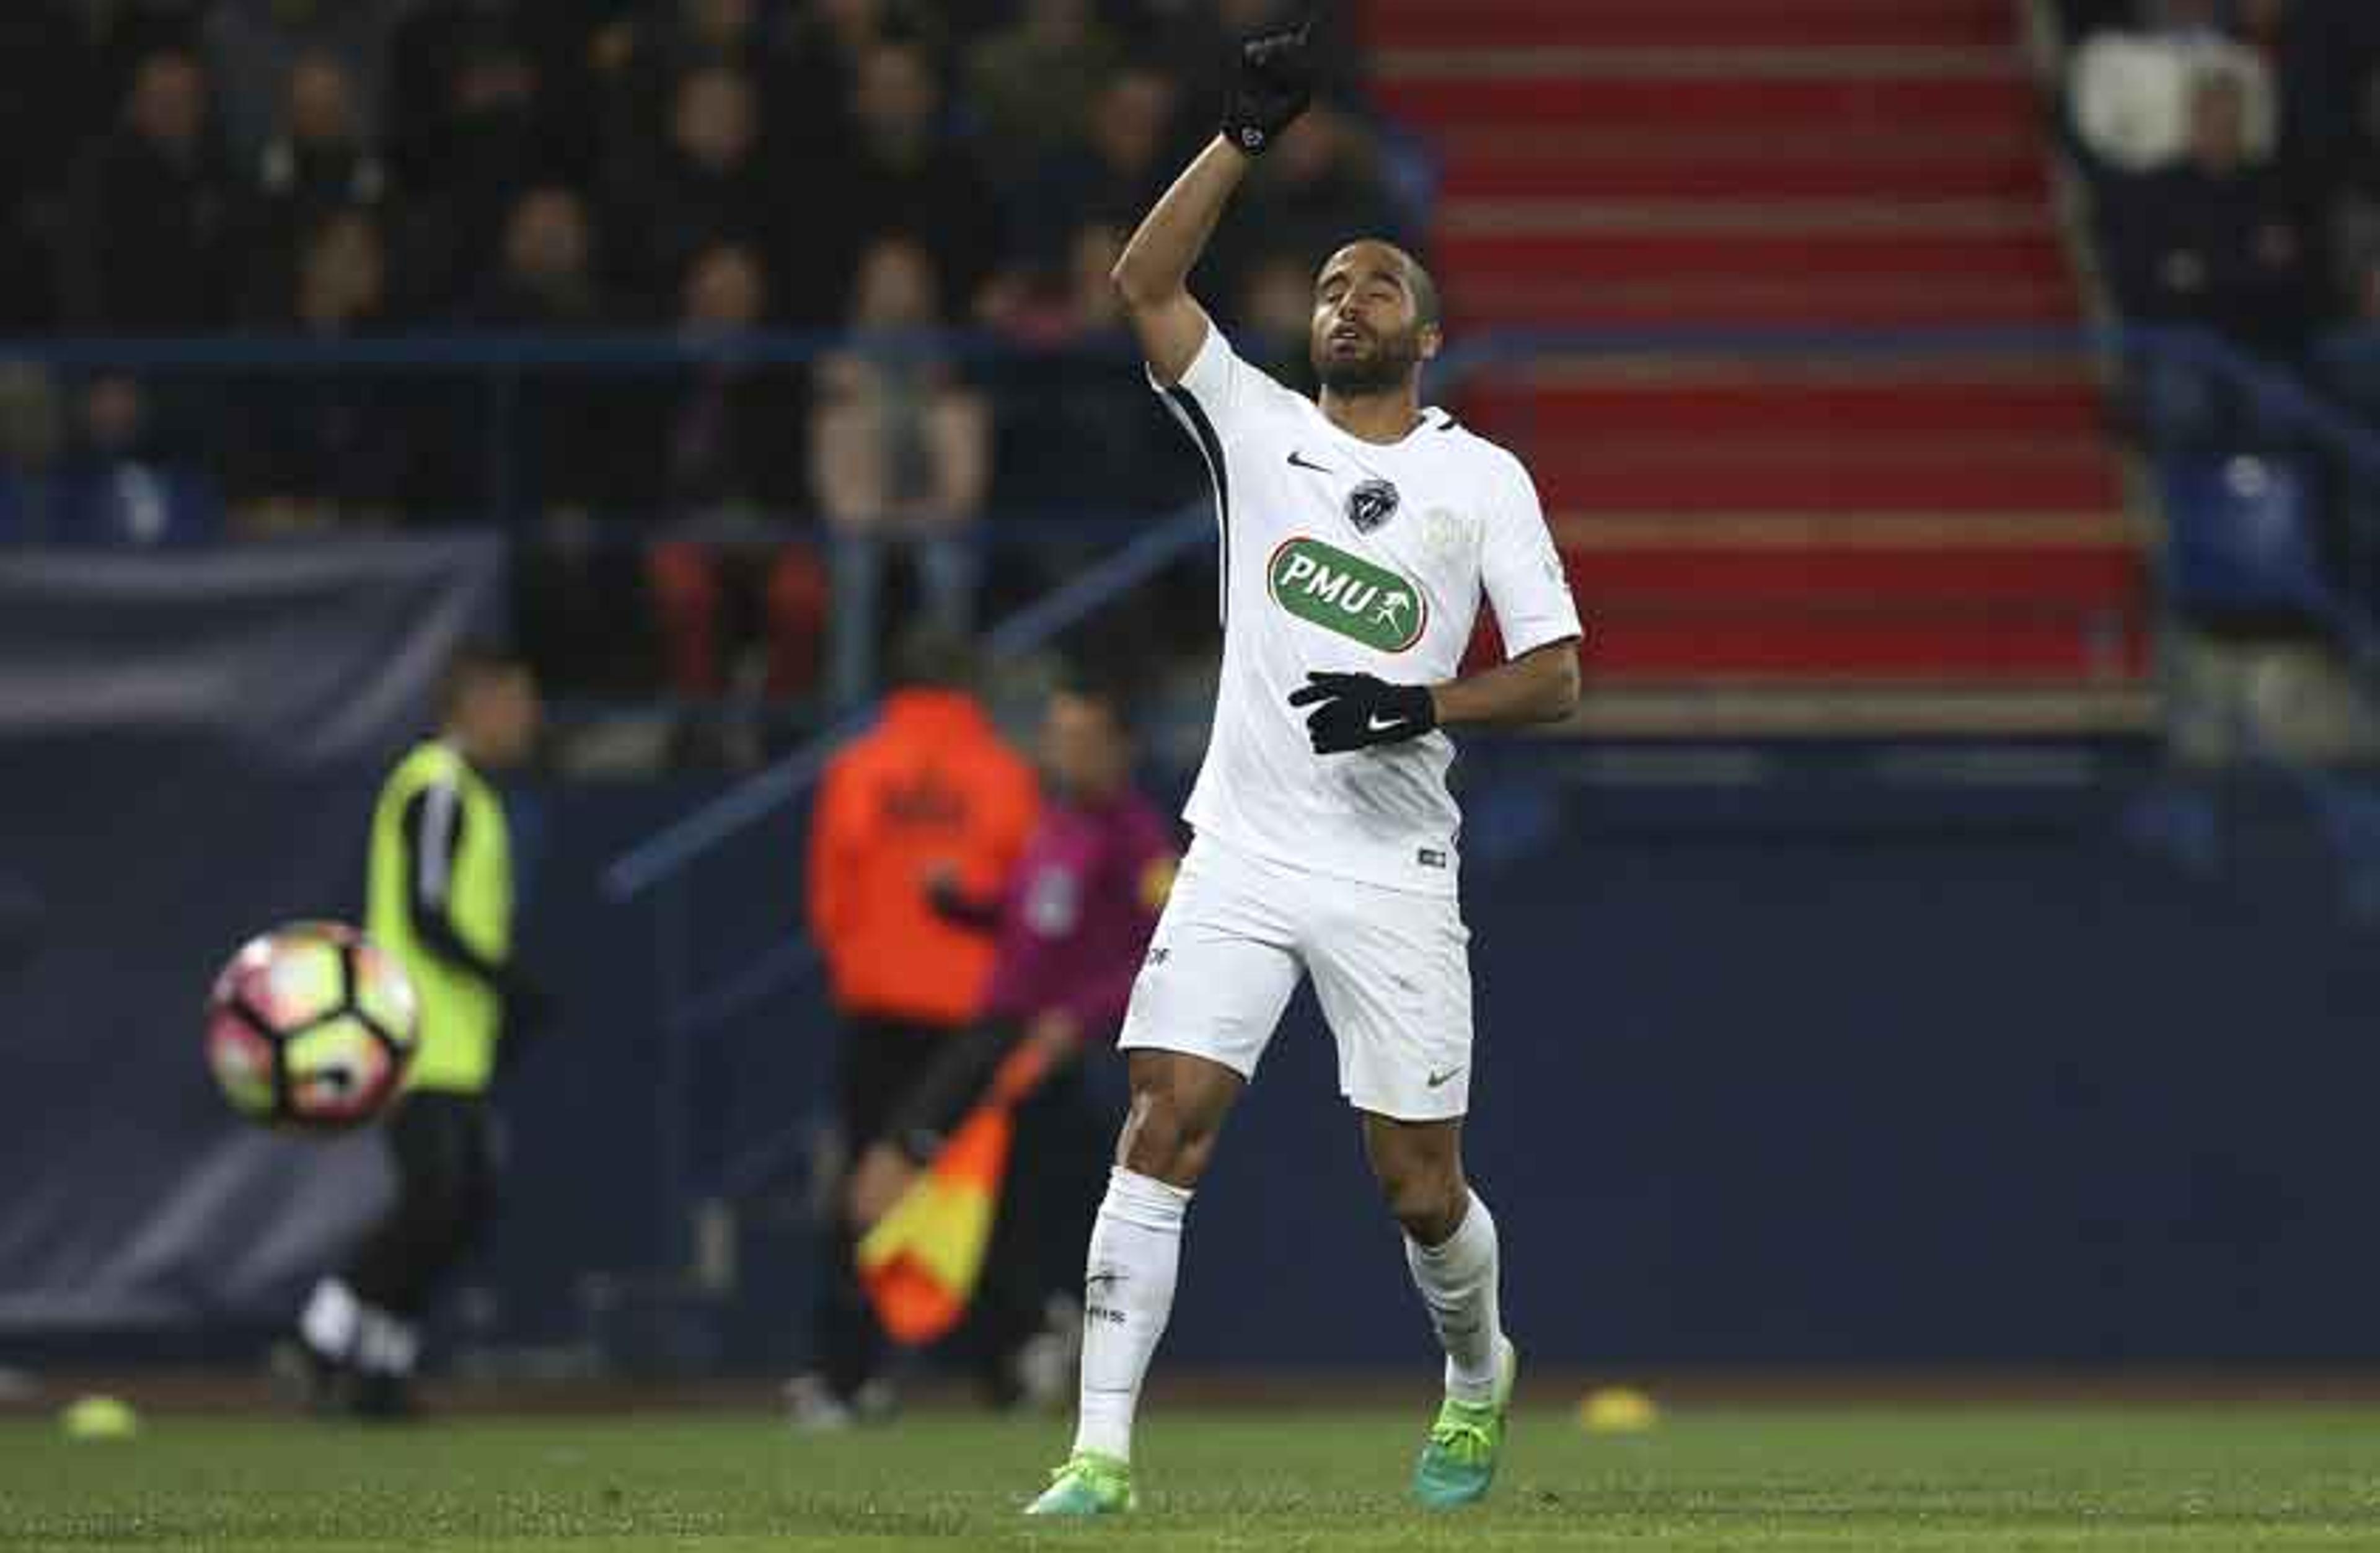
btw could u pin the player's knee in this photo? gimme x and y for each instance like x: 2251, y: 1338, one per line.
x: 1426, y: 1198
x: 1166, y: 1138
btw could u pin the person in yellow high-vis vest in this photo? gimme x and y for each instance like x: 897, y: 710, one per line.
x: 439, y: 897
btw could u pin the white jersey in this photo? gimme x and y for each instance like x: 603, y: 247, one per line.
x: 1345, y: 555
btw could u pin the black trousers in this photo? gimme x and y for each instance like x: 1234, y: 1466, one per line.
x: 1037, y: 1236
x: 443, y: 1148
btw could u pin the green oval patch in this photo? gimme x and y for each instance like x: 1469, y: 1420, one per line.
x: 1325, y: 586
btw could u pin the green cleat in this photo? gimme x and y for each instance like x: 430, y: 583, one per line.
x: 1459, y: 1461
x: 1089, y: 1483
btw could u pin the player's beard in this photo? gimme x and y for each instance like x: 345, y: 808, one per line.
x: 1385, y: 369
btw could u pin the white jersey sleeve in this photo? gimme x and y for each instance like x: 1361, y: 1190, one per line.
x: 1217, y: 392
x: 1523, y: 572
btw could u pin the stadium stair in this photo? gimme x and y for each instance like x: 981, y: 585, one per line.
x: 1780, y: 545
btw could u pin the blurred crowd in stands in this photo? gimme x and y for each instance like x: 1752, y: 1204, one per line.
x: 2234, y: 151
x: 349, y: 170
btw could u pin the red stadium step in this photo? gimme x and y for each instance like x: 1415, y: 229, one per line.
x: 1536, y: 300
x: 1652, y: 165
x: 1763, y: 400
x: 1848, y: 474
x: 2069, y: 578
x: 1568, y: 104
x: 1762, y: 526
x: 1869, y: 644
x: 1803, y: 23
x: 1472, y: 256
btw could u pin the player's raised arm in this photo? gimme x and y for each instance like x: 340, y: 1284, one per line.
x: 1274, y: 84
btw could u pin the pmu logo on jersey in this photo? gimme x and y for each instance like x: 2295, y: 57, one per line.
x: 1327, y: 587
x: 1371, y: 504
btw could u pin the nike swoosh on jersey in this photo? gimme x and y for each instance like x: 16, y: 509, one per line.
x: 1437, y: 1079
x: 1297, y: 461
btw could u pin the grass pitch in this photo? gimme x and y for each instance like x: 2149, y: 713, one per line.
x: 1888, y: 1478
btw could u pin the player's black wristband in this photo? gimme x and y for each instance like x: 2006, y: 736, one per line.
x: 1273, y: 86
x: 1358, y: 711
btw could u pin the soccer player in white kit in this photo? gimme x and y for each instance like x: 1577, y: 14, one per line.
x: 1358, y: 536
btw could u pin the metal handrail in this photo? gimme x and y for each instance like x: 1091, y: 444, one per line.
x: 761, y: 794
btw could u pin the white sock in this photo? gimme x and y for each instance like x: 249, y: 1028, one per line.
x: 386, y: 1344
x: 1127, y: 1294
x: 328, y: 1325
x: 1457, y: 1280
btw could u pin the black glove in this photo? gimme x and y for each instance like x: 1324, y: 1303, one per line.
x: 1274, y: 84
x: 1358, y: 711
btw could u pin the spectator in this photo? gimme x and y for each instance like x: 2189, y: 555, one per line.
x: 731, y: 439
x: 1031, y: 83
x: 643, y: 58
x: 574, y: 446
x: 707, y: 186
x: 467, y: 135
x: 2212, y: 241
x: 901, y: 453
x: 548, y: 280
x: 317, y: 450
x: 148, y: 251
x: 126, y: 33
x: 578, y: 436
x: 728, y: 463
x: 124, y: 483
x: 254, y: 47
x: 1112, y: 175
x: 2131, y: 92
x: 825, y: 51
x: 314, y: 165
x: 903, y: 177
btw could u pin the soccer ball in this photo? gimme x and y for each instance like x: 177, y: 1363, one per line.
x: 311, y: 1025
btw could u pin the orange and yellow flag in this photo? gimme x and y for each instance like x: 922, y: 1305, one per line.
x: 921, y: 1261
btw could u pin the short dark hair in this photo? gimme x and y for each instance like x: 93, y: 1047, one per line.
x: 469, y: 666
x: 1104, y: 688
x: 1427, y: 307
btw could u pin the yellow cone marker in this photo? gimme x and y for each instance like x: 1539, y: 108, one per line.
x: 1617, y: 1410
x: 98, y: 1418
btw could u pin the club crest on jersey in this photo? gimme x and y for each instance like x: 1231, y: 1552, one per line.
x: 1371, y: 504
x: 1325, y: 586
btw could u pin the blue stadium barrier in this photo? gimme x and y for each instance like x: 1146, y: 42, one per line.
x: 656, y: 870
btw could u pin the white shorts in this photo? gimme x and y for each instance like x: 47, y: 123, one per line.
x: 1392, y: 968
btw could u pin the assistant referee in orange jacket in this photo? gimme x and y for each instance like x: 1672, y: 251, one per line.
x: 930, y: 795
